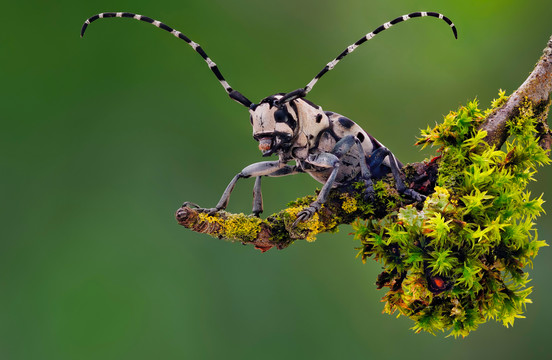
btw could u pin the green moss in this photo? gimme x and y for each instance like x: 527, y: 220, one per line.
x: 460, y: 260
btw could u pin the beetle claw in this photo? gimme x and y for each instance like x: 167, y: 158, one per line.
x: 306, y: 214
x: 211, y: 211
x: 208, y: 211
x: 190, y: 205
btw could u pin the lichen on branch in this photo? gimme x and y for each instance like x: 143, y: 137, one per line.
x: 344, y: 205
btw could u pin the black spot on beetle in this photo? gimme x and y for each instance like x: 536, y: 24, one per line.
x: 346, y: 123
x: 360, y: 136
x: 292, y: 123
x: 311, y: 104
x: 294, y: 108
x: 318, y: 118
x: 280, y: 116
x: 251, y: 120
x: 375, y: 143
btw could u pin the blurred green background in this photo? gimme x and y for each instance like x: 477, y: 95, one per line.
x: 103, y: 138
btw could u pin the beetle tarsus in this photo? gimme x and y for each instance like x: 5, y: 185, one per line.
x: 306, y: 213
x: 190, y: 205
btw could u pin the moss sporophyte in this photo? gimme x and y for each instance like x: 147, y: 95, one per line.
x: 459, y: 261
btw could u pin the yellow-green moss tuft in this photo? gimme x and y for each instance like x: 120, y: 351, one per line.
x: 460, y: 260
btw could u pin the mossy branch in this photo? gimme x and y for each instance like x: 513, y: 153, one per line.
x: 346, y: 205
x: 534, y: 91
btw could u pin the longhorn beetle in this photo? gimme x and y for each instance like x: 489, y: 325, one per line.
x: 331, y: 148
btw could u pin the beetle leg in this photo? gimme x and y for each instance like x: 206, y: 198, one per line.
x: 332, y: 160
x: 257, y: 197
x: 377, y: 159
x: 190, y: 205
x: 342, y: 147
x: 365, y: 172
x: 264, y: 168
x: 256, y: 169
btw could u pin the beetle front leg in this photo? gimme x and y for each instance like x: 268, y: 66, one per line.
x: 257, y: 170
x: 257, y: 197
x: 264, y: 168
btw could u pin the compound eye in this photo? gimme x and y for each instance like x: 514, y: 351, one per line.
x: 280, y: 115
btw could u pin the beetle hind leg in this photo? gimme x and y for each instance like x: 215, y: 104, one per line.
x: 376, y: 160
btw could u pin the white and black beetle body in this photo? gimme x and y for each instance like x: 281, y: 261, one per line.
x: 331, y: 148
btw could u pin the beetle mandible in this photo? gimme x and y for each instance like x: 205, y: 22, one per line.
x: 331, y: 148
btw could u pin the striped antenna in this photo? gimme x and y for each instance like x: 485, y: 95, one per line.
x: 304, y: 91
x: 235, y: 95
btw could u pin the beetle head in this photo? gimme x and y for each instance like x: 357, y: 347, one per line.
x: 274, y: 125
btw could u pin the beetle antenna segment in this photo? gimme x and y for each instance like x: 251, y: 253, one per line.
x: 369, y: 36
x: 235, y: 95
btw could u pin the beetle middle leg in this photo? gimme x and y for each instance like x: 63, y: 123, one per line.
x: 333, y: 160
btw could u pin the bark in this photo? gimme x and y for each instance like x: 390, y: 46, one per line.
x: 345, y: 205
x: 536, y: 90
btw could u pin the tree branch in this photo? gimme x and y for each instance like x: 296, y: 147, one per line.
x: 536, y: 91
x: 344, y: 205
